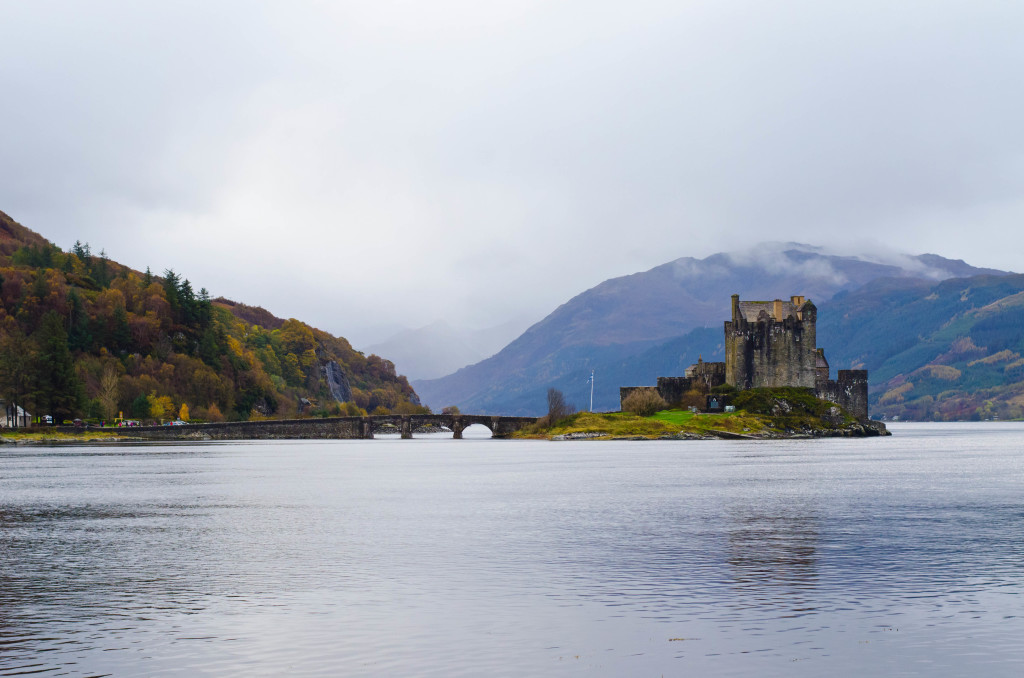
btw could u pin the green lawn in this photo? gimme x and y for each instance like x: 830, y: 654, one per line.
x: 666, y: 422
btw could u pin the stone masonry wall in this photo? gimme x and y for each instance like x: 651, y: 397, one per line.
x: 331, y: 428
x: 849, y: 391
x: 770, y: 353
x: 672, y: 389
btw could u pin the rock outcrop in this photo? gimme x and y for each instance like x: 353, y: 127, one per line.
x: 337, y: 382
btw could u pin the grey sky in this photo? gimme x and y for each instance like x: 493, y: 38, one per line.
x: 390, y: 163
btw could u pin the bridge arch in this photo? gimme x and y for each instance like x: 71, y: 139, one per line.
x: 477, y: 429
x: 405, y: 424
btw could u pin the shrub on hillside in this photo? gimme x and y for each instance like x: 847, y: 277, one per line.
x: 644, y: 402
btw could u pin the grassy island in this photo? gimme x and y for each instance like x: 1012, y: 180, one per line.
x: 760, y: 413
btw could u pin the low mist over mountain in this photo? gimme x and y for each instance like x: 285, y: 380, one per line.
x: 617, y: 327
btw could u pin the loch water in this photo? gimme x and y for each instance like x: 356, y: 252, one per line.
x: 900, y: 556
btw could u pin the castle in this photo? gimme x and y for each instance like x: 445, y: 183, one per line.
x: 770, y: 344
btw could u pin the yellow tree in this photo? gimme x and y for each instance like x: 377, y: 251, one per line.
x: 109, y: 391
x: 160, y: 406
x: 183, y: 414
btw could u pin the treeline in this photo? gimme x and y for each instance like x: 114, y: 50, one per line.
x: 83, y: 336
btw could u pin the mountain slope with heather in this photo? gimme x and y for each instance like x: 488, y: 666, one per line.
x: 947, y: 351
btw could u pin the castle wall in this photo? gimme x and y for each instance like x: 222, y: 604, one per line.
x: 821, y: 369
x: 672, y: 389
x: 701, y: 376
x: 706, y: 375
x: 849, y: 391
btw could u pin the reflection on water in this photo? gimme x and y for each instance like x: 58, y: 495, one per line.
x: 902, y: 556
x: 773, y: 549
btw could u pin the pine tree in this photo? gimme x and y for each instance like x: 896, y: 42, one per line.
x: 79, y: 336
x: 171, y: 284
x: 57, y: 389
x: 101, y: 272
x: 204, y: 308
x: 188, y: 303
x: 140, y: 407
x: 120, y: 335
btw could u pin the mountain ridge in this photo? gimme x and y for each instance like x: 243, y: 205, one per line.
x: 627, y: 315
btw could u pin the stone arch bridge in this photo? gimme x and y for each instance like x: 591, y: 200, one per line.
x: 328, y: 428
x: 500, y: 427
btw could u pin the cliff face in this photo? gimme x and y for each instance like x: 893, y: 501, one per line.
x: 337, y: 382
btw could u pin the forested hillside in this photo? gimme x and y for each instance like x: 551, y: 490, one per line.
x: 81, y: 335
x: 936, y: 351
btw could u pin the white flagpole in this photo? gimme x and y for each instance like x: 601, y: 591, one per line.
x: 591, y: 390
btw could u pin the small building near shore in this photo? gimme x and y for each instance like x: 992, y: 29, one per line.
x: 14, y: 416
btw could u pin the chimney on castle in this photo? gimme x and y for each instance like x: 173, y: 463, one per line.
x: 777, y: 310
x: 735, y: 309
x: 798, y: 304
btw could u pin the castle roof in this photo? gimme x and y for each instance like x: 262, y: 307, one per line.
x: 751, y: 310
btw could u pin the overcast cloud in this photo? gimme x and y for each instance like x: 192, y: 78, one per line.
x: 368, y: 164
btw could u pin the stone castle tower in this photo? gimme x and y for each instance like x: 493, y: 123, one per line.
x: 771, y: 343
